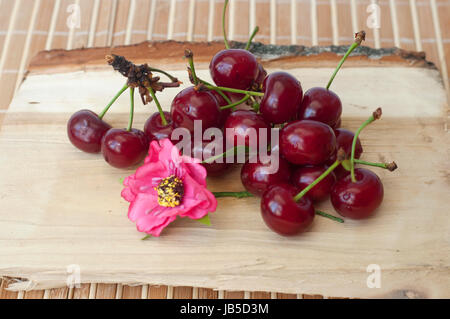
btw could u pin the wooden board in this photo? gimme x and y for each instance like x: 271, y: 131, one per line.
x: 62, y: 207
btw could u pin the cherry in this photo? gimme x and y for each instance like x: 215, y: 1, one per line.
x: 338, y: 124
x: 240, y: 124
x: 190, y: 105
x: 224, y: 113
x: 282, y: 97
x: 307, y: 142
x: 234, y: 68
x: 282, y: 213
x: 358, y: 199
x: 257, y: 177
x: 320, y: 104
x: 85, y: 130
x: 155, y: 129
x: 304, y: 176
x: 122, y: 148
x: 262, y: 73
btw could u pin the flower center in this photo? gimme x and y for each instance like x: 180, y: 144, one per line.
x: 170, y: 191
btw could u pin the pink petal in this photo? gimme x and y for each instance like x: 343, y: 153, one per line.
x: 142, y: 206
x: 153, y: 225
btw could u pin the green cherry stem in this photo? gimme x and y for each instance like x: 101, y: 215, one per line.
x: 375, y: 115
x: 234, y: 150
x: 171, y: 77
x: 242, y: 194
x: 323, y: 214
x: 232, y: 105
x: 389, y: 166
x: 359, y: 37
x: 225, y: 40
x: 158, y: 105
x: 130, y: 120
x: 188, y: 54
x: 214, y: 88
x: 221, y: 88
x: 255, y: 31
x: 123, y: 89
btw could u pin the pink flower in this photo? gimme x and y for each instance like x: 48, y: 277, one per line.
x: 166, y: 186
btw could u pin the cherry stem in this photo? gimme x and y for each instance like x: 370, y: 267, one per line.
x: 232, y: 105
x: 233, y: 194
x: 212, y: 87
x: 255, y: 31
x: 233, y: 150
x: 190, y: 56
x: 221, y: 88
x: 123, y: 89
x: 317, y: 180
x: 158, y: 105
x: 359, y: 37
x: 130, y: 120
x: 171, y: 77
x: 375, y: 115
x: 389, y: 166
x: 223, y: 24
x: 323, y: 214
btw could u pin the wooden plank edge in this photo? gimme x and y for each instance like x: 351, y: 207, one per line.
x: 170, y: 55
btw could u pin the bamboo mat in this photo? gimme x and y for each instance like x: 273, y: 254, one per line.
x: 30, y: 26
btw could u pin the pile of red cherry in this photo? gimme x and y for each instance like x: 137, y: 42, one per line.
x: 317, y: 157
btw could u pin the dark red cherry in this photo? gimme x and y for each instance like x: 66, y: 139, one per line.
x: 344, y: 140
x: 122, y: 148
x: 85, y: 130
x: 282, y: 97
x: 357, y: 200
x: 155, y: 129
x: 222, y: 102
x: 304, y: 176
x: 257, y: 177
x: 211, y: 148
x: 320, y: 104
x: 262, y: 73
x: 307, y: 142
x: 242, y: 127
x: 190, y: 105
x: 234, y: 68
x: 337, y: 125
x: 284, y: 215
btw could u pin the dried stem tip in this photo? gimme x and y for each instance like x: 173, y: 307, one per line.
x: 377, y: 114
x: 188, y: 53
x: 391, y: 166
x: 360, y: 37
x: 139, y: 76
x: 341, y: 155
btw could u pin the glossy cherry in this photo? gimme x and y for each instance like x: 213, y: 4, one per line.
x: 304, y: 176
x: 282, y: 213
x: 155, y: 129
x: 122, y: 148
x: 224, y: 113
x: 241, y: 125
x: 234, y: 68
x: 320, y: 104
x: 282, y: 97
x: 357, y: 200
x: 86, y: 130
x: 257, y: 177
x: 190, y: 105
x: 307, y: 142
x: 344, y: 140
